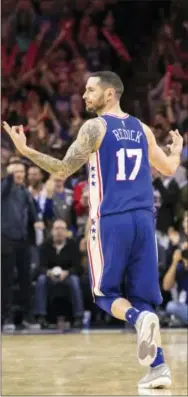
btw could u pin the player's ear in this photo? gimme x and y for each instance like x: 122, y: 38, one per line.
x: 111, y: 93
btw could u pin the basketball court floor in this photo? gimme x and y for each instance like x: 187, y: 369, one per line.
x: 98, y: 363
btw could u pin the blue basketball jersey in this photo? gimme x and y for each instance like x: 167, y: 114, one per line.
x: 119, y: 172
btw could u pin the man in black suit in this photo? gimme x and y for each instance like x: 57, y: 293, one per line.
x: 18, y: 213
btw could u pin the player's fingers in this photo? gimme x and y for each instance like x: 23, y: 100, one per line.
x: 6, y: 127
x: 21, y: 130
x: 173, y: 135
x: 14, y: 130
x: 177, y: 135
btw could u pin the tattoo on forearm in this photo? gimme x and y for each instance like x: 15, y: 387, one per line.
x: 77, y: 154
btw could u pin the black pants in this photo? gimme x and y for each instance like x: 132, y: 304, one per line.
x: 15, y: 255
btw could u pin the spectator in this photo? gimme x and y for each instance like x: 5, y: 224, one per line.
x: 18, y: 213
x: 81, y: 206
x: 59, y: 200
x: 35, y: 186
x: 35, y: 180
x: 94, y: 50
x: 176, y: 238
x: 178, y: 273
x: 167, y: 192
x: 59, y: 270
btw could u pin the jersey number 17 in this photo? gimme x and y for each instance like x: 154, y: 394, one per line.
x: 121, y: 154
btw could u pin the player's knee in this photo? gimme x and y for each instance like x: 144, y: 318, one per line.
x: 105, y: 303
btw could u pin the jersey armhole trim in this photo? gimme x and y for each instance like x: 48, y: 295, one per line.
x: 142, y: 126
x: 105, y: 130
x: 104, y: 123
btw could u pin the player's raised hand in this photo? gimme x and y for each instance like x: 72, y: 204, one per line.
x: 177, y: 142
x: 17, y: 135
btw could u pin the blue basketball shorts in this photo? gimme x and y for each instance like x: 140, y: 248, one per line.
x: 122, y: 252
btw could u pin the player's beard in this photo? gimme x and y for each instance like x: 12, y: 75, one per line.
x: 98, y: 108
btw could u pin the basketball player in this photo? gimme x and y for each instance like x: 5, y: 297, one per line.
x: 119, y: 149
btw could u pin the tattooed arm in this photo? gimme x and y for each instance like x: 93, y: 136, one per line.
x: 88, y: 140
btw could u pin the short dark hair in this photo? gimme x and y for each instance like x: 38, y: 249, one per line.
x: 34, y: 166
x: 110, y: 79
x: 16, y: 162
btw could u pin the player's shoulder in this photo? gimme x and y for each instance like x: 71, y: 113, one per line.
x: 95, y: 127
x: 95, y: 123
x: 93, y: 130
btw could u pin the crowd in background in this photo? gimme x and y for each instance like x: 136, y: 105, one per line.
x: 49, y: 50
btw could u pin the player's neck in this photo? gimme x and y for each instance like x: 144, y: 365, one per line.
x: 111, y: 109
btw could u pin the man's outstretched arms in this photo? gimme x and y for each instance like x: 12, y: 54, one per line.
x: 88, y: 141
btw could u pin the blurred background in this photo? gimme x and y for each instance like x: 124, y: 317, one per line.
x: 49, y: 49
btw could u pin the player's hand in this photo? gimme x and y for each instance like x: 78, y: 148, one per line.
x: 17, y: 135
x: 177, y: 142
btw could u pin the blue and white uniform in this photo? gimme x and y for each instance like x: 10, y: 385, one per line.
x: 121, y: 244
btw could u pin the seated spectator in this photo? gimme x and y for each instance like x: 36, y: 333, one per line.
x: 178, y: 274
x: 59, y: 271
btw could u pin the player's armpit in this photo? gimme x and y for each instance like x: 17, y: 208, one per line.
x: 167, y: 165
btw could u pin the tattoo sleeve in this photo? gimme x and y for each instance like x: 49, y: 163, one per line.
x: 78, y: 153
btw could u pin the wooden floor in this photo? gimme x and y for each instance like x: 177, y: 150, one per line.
x: 76, y: 364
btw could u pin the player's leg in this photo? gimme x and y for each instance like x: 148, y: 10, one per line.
x: 118, y: 235
x: 144, y: 293
x: 109, y: 245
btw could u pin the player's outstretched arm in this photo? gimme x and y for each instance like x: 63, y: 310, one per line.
x: 167, y: 165
x: 88, y: 141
